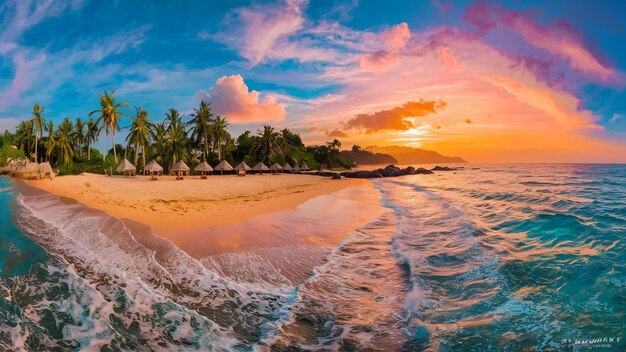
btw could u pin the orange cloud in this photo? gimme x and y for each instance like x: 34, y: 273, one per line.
x: 231, y: 98
x: 336, y: 133
x: 395, y: 119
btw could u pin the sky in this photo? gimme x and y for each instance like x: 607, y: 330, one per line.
x: 512, y: 81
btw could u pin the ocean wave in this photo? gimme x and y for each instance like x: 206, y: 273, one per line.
x: 106, y: 254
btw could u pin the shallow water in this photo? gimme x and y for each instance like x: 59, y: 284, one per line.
x: 489, y: 258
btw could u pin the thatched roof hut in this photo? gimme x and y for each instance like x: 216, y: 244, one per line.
x: 153, y: 168
x: 287, y: 167
x: 276, y: 167
x: 202, y: 168
x: 243, y: 166
x: 180, y: 168
x: 296, y: 168
x: 126, y: 167
x: 304, y: 167
x: 223, y: 166
x: 260, y: 167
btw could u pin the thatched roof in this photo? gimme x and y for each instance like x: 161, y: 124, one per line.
x: 276, y: 166
x: 153, y: 166
x: 296, y: 168
x: 125, y: 166
x: 204, y: 167
x: 260, y: 167
x: 242, y: 166
x: 304, y: 167
x: 223, y: 166
x: 287, y: 167
x: 180, y: 166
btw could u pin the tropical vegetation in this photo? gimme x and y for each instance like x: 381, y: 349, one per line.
x: 203, y: 135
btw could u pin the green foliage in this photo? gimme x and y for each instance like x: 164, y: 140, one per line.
x: 6, y: 138
x: 9, y: 152
x: 329, y: 154
x: 205, y: 136
x: 95, y: 166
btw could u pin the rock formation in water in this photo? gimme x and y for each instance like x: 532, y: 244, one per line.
x: 389, y: 171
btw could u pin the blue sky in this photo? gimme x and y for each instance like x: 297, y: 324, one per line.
x: 314, y: 66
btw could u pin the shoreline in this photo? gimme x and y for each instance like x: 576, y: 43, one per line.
x: 321, y: 221
x: 169, y: 206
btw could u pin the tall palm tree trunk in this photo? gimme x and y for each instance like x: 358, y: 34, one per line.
x: 36, y: 147
x: 143, y: 156
x: 113, y: 144
x: 136, y: 153
x: 88, y: 150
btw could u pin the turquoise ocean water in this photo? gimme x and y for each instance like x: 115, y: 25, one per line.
x: 489, y: 258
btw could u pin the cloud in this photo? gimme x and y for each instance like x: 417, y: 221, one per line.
x: 336, y: 133
x: 22, y: 79
x: 442, y: 6
x: 231, y: 98
x: 395, y: 119
x: 396, y: 37
x: 20, y: 15
x: 559, y: 39
x: 616, y: 117
x: 264, y: 33
x: 383, y: 50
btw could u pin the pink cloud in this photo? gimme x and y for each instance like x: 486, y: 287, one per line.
x: 447, y: 59
x: 264, y: 29
x: 231, y: 98
x: 22, y: 80
x: 389, y: 44
x: 396, y: 37
x: 558, y: 39
x: 274, y: 32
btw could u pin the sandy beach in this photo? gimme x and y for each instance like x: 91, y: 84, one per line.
x: 168, y: 204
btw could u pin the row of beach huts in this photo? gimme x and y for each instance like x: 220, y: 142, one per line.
x: 203, y: 169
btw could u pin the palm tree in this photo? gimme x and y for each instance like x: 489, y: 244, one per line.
x: 50, y: 147
x: 79, y: 134
x: 201, y: 126
x: 172, y: 118
x: 176, y: 143
x: 266, y: 144
x: 220, y: 134
x: 158, y: 133
x: 63, y: 144
x: 109, y: 115
x: 140, y: 133
x: 38, y: 122
x: 334, y: 145
x: 91, y: 135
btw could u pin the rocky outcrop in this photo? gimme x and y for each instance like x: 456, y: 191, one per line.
x: 389, y: 171
x: 445, y: 168
x: 26, y: 170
